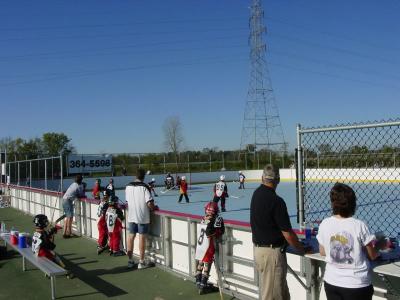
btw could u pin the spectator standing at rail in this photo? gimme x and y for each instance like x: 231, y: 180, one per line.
x: 221, y: 192
x: 110, y: 189
x: 183, y: 187
x: 271, y: 231
x: 346, y: 243
x: 140, y: 204
x: 241, y: 180
x: 97, y: 189
x: 74, y: 191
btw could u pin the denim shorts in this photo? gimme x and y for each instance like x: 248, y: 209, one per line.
x: 68, y: 208
x: 138, y: 228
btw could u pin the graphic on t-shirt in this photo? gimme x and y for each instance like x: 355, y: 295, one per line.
x: 341, y: 248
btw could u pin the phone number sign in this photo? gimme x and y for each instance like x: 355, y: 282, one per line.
x: 89, y: 163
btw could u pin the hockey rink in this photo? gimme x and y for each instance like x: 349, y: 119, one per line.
x: 237, y: 205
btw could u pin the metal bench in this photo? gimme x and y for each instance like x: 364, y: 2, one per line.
x: 50, y: 268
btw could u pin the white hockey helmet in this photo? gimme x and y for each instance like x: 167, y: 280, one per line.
x: 153, y: 179
x: 240, y: 172
x: 183, y: 177
x: 222, y: 177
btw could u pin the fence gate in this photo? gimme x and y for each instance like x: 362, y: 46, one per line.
x: 366, y: 157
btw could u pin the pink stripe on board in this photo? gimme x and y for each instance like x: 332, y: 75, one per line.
x: 26, y: 188
x: 237, y: 223
x: 198, y: 217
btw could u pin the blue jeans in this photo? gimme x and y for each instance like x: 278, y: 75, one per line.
x: 68, y: 208
x: 138, y: 228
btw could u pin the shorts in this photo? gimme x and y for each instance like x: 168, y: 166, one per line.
x: 138, y: 228
x: 68, y: 208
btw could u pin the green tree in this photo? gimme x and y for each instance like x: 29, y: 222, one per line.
x: 32, y: 148
x: 56, y: 143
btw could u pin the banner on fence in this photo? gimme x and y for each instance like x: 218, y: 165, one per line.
x: 89, y: 163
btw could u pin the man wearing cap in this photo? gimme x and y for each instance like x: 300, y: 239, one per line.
x: 271, y: 232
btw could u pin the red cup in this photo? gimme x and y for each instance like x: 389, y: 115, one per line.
x: 14, y: 238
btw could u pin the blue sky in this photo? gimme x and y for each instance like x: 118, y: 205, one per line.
x: 108, y: 73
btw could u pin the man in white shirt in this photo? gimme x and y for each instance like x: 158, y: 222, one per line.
x: 140, y: 203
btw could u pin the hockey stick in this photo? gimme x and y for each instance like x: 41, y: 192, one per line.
x: 167, y: 190
x: 234, y: 197
x: 55, y: 205
x: 60, y: 219
x: 218, y: 269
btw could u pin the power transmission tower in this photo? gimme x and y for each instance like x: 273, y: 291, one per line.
x: 262, y: 127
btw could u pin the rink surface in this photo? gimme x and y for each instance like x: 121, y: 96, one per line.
x: 237, y: 205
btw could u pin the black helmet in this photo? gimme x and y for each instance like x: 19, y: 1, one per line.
x: 41, y: 221
x: 113, y: 200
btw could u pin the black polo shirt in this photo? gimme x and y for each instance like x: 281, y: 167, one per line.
x: 268, y: 217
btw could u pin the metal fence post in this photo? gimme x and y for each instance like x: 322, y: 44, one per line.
x: 61, y: 175
x: 164, y: 164
x: 45, y: 174
x: 210, y: 161
x: 18, y: 169
x: 223, y: 160
x: 300, y: 176
x: 30, y: 173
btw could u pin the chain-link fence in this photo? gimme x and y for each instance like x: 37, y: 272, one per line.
x: 198, y: 161
x: 43, y: 173
x: 364, y: 156
x: 47, y: 172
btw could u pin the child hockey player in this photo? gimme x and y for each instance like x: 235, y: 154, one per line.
x: 110, y: 189
x: 211, y: 228
x: 169, y: 182
x: 221, y: 192
x: 43, y: 241
x: 97, y: 189
x: 152, y: 186
x: 241, y: 180
x: 114, y: 218
x: 102, y: 224
x: 183, y: 190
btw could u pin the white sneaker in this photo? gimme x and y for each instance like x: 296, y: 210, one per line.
x: 144, y: 264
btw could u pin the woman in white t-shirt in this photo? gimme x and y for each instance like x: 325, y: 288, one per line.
x: 346, y: 243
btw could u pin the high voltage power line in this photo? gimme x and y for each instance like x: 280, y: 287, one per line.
x: 273, y: 35
x: 88, y: 73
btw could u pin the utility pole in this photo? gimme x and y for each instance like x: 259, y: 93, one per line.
x: 261, y: 123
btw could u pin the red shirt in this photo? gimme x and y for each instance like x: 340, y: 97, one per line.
x: 183, y: 187
x: 96, y: 191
